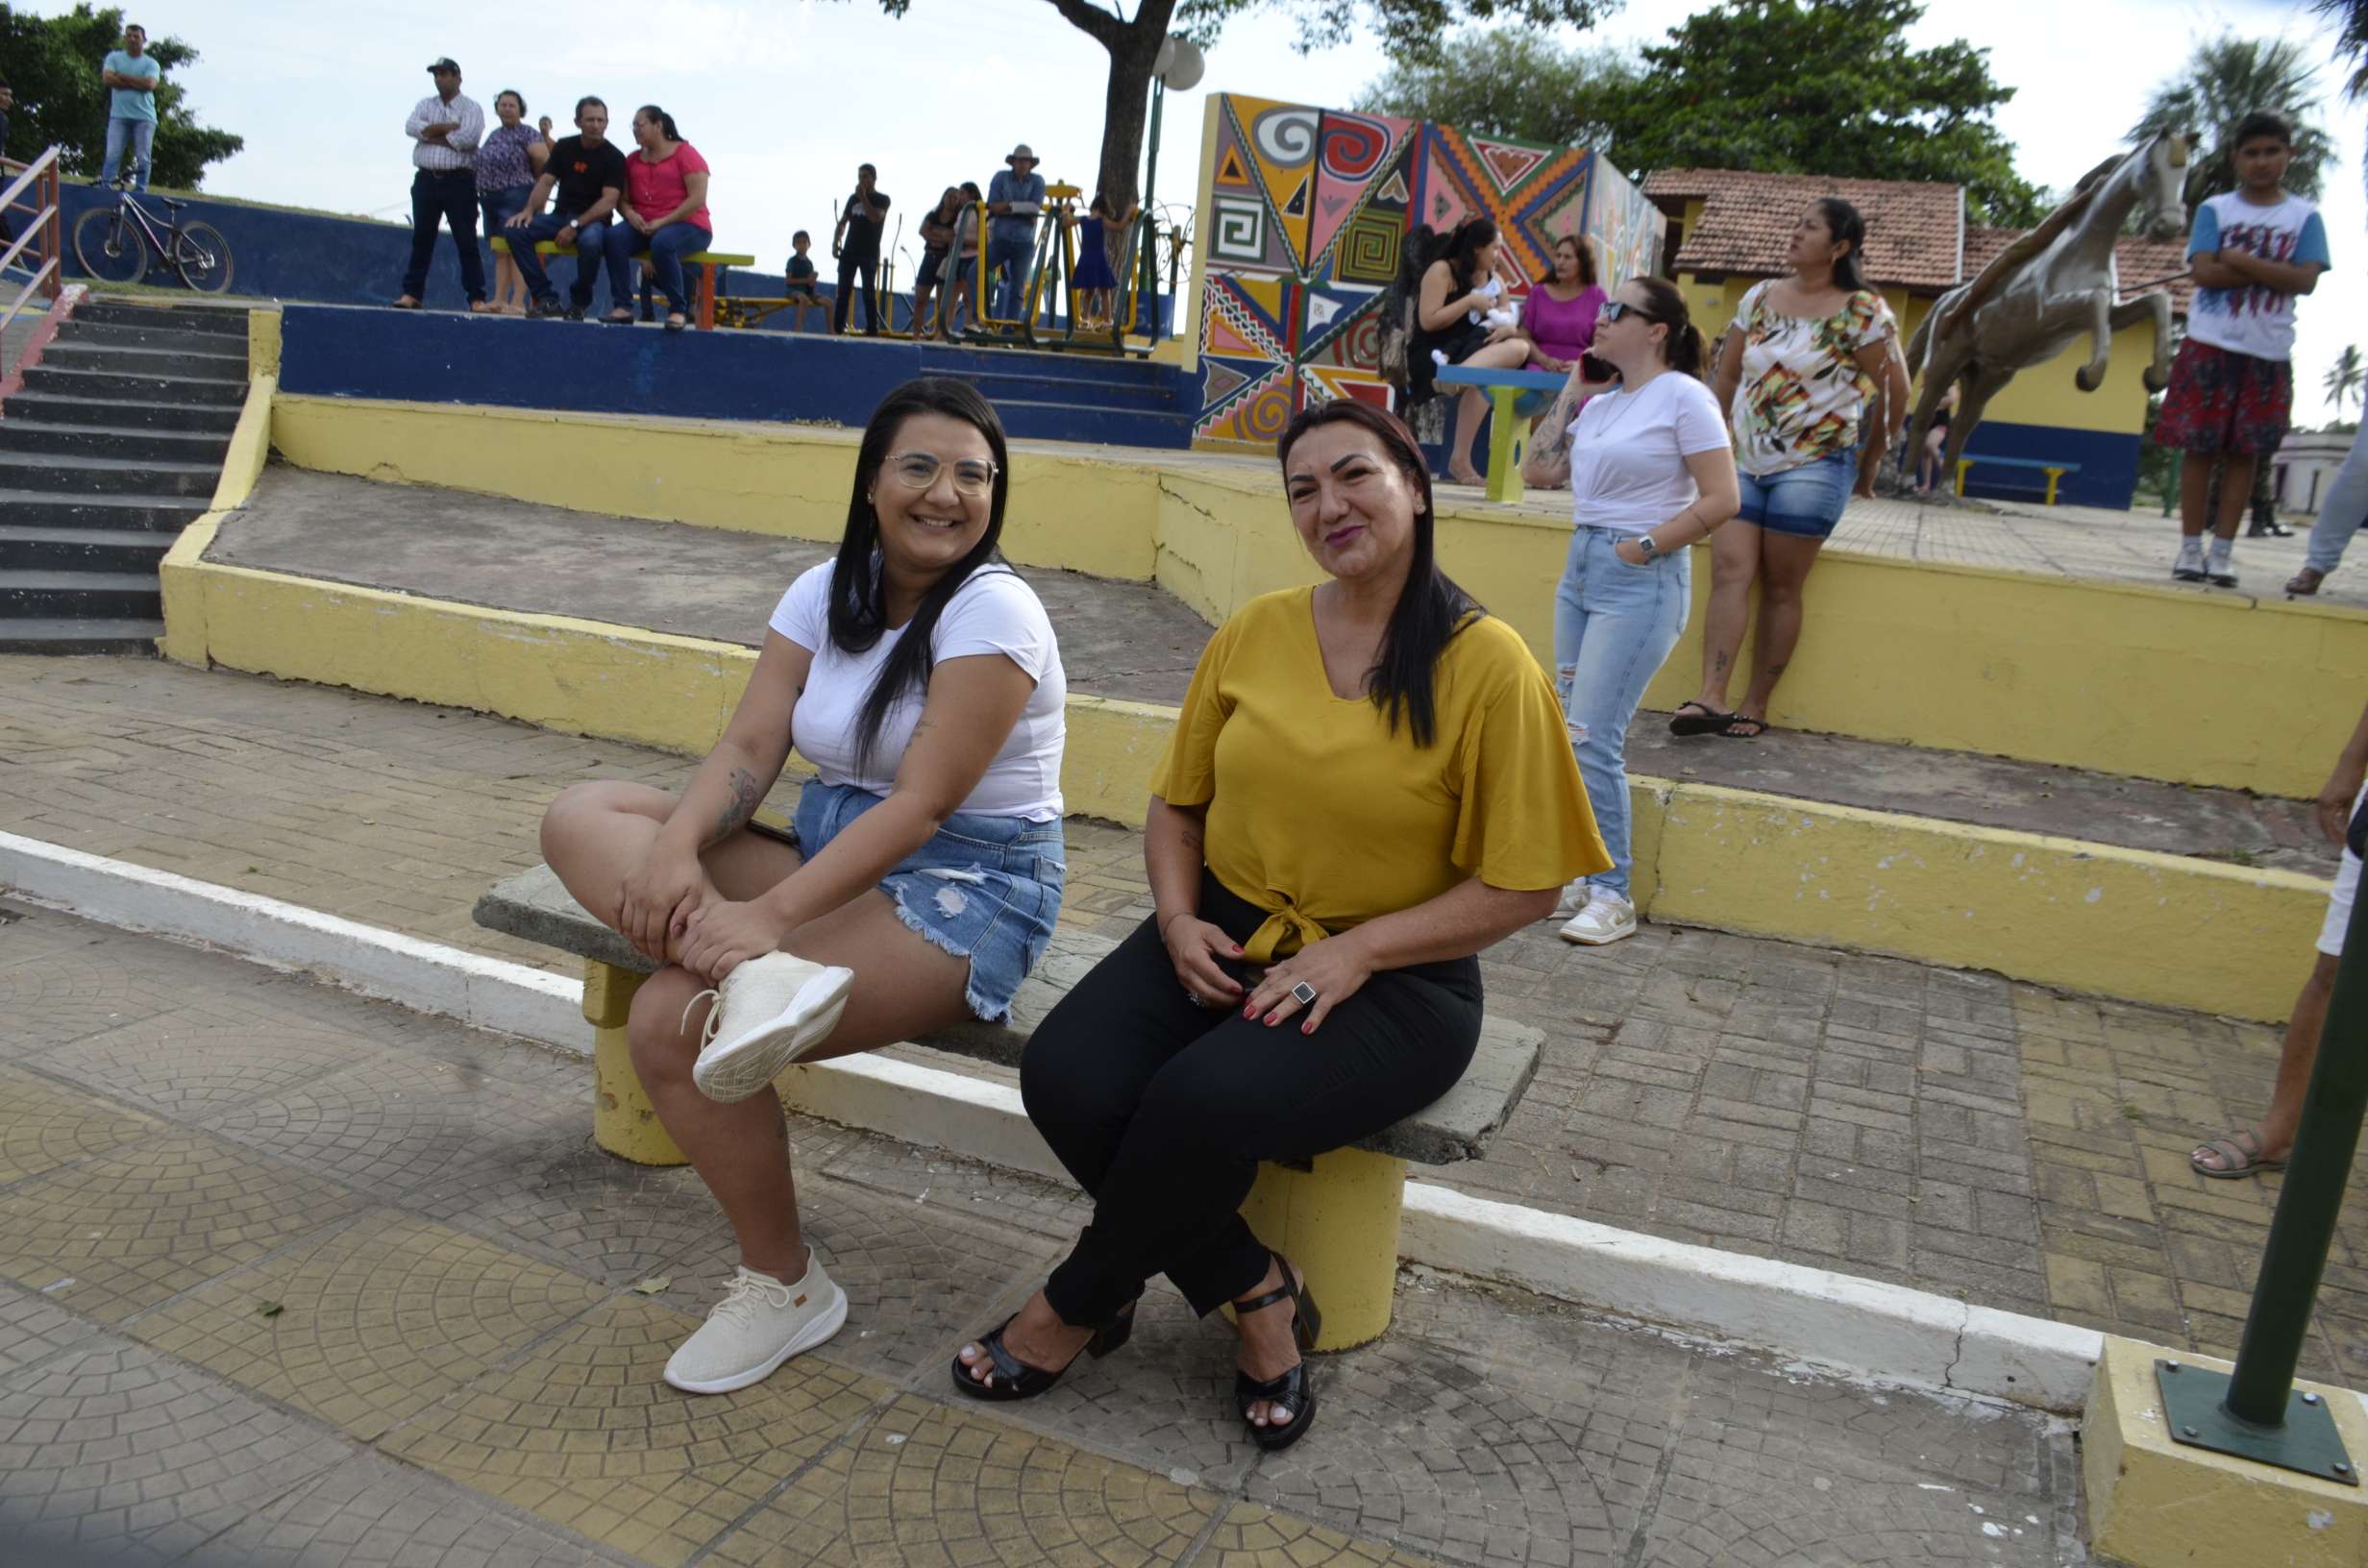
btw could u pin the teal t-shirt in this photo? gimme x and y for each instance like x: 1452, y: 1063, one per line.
x: 126, y: 104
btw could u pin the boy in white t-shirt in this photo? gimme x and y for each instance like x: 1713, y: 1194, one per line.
x: 2252, y: 250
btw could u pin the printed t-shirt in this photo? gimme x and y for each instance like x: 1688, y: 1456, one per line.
x: 1322, y: 818
x: 1628, y: 452
x: 861, y: 242
x: 583, y: 173
x: 133, y: 102
x: 2254, y: 319
x: 506, y: 161
x: 657, y: 189
x: 1801, y: 395
x: 994, y: 612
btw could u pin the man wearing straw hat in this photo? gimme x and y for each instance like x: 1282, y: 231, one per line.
x: 1014, y: 198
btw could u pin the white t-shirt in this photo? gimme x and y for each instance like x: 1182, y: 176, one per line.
x: 1628, y: 452
x: 994, y: 612
x: 2253, y: 319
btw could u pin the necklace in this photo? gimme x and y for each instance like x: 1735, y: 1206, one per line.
x: 1620, y: 410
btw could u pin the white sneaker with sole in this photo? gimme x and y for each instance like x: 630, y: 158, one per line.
x: 2190, y: 566
x: 768, y: 1012
x: 759, y: 1324
x: 2218, y: 570
x: 1602, y: 920
x: 1574, y: 898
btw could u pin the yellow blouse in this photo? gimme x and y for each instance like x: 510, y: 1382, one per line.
x: 1322, y: 818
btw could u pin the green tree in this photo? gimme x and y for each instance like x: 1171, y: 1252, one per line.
x: 2225, y: 79
x: 2344, y: 377
x: 1508, y: 82
x: 1821, y: 87
x: 52, y: 63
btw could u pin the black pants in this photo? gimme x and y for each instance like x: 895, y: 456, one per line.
x: 1162, y: 1109
x: 445, y: 198
x: 848, y: 267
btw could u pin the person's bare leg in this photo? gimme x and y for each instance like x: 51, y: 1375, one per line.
x: 1735, y: 561
x: 1037, y: 1337
x: 1785, y: 560
x: 1270, y: 1343
x: 2236, y: 492
x: 1469, y: 406
x: 2195, y: 493
x: 2274, y: 1133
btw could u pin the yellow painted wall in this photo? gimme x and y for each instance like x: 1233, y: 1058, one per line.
x: 2047, y: 394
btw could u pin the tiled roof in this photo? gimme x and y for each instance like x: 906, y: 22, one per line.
x: 2136, y: 258
x: 1914, y: 230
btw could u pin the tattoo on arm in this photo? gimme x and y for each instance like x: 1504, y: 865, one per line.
x: 746, y: 792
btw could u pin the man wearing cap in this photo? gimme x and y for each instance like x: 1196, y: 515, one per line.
x: 130, y: 75
x: 1014, y: 197
x: 446, y: 129
x: 857, y: 245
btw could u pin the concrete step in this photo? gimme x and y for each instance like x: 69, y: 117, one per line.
x: 82, y: 550
x: 1003, y: 388
x: 217, y: 320
x: 199, y: 363
x: 144, y: 388
x: 167, y: 515
x: 99, y: 595
x: 149, y: 334
x: 1027, y: 420
x: 106, y: 475
x: 58, y: 636
x: 64, y: 408
x: 135, y: 444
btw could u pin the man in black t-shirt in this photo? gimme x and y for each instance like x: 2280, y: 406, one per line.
x: 857, y: 245
x: 588, y: 172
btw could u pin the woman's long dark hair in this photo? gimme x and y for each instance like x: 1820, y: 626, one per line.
x: 665, y: 121
x: 858, y: 587
x: 1843, y: 222
x: 1463, y: 245
x: 1682, y: 350
x: 1431, y: 609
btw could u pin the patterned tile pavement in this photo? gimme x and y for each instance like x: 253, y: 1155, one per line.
x: 241, y: 1321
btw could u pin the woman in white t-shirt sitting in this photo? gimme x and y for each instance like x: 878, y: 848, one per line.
x: 921, y: 677
x: 1651, y: 472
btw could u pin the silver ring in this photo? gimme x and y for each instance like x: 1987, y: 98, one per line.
x: 1303, y: 994
x: 1194, y: 997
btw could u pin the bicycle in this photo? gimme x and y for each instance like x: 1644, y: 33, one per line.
x: 114, y: 245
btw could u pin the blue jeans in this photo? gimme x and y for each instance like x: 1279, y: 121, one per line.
x: 142, y: 134
x: 438, y: 198
x: 499, y: 206
x: 2341, y: 510
x: 1804, y: 501
x: 1017, y: 257
x: 591, y: 252
x: 665, y: 249
x: 1614, y: 625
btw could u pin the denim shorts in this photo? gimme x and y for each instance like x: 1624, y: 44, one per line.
x: 987, y: 889
x: 1804, y: 501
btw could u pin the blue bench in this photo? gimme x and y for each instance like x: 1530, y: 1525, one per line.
x: 2053, y: 471
x: 1515, y: 397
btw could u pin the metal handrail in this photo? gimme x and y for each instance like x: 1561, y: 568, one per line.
x: 40, y: 174
x: 9, y: 256
x: 32, y: 172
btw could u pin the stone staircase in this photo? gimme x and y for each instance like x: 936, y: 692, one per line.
x: 114, y: 444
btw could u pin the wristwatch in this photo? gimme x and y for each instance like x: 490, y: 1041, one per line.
x: 1646, y: 542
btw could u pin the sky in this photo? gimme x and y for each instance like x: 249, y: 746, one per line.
x: 785, y: 97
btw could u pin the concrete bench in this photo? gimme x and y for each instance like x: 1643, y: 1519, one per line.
x: 1515, y: 397
x: 2053, y: 471
x: 1337, y: 1218
x: 706, y: 262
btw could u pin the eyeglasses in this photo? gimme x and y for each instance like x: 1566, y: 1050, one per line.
x: 1613, y: 309
x: 918, y: 470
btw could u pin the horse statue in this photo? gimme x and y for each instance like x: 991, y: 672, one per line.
x: 2046, y: 289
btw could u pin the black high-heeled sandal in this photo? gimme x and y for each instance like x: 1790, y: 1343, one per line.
x: 1020, y: 1381
x: 1295, y: 1389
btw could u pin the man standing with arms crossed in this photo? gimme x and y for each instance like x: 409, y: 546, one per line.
x: 1015, y: 197
x: 132, y: 74
x: 446, y: 129
x: 857, y: 245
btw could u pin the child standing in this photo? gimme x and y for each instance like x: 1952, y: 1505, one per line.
x: 2251, y: 251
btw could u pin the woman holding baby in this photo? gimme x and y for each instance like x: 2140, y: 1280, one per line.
x: 1463, y: 316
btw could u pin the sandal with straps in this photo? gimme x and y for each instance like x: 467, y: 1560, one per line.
x: 1294, y: 1390
x: 1020, y: 1381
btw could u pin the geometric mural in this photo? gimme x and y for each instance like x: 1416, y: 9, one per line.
x: 1310, y: 212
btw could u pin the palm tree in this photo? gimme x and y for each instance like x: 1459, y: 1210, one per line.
x: 2344, y: 377
x: 2350, y: 19
x: 2227, y: 78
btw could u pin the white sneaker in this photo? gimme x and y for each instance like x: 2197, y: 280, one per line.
x: 768, y: 1012
x: 1602, y: 920
x: 1574, y: 898
x: 2217, y: 568
x: 759, y: 1324
x: 2190, y: 566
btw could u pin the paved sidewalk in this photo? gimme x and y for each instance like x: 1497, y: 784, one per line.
x: 1937, y: 1128
x: 289, y: 1277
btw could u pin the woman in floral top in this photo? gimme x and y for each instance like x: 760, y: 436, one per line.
x: 507, y: 165
x: 1813, y: 382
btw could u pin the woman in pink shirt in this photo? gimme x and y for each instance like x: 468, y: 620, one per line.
x: 1560, y: 315
x: 665, y: 211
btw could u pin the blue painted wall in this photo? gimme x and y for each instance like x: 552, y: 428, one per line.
x: 2108, y: 463
x: 434, y: 357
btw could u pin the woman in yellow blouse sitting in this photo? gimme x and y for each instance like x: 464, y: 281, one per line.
x: 1370, y: 783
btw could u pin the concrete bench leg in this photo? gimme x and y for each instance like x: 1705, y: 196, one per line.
x: 623, y: 1120
x: 1339, y: 1223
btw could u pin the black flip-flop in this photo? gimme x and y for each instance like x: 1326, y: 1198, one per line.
x: 1705, y: 721
x: 1759, y: 727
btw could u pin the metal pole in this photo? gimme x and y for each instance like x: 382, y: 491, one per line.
x: 1146, y: 266
x: 2295, y: 1256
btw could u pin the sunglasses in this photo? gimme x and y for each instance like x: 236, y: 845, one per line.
x: 1613, y: 309
x: 918, y: 470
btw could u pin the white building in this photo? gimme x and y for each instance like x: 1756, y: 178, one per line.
x: 2305, y: 466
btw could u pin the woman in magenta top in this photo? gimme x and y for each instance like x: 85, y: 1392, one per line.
x: 1560, y: 315
x: 665, y: 211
